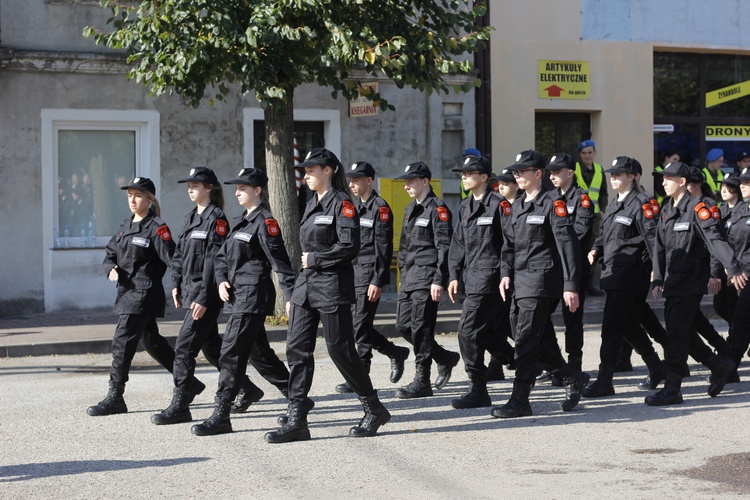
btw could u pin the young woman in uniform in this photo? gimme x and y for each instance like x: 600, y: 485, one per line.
x: 136, y: 259
x: 324, y: 291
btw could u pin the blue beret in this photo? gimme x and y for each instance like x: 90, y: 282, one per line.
x: 587, y: 143
x: 472, y: 152
x: 714, y: 154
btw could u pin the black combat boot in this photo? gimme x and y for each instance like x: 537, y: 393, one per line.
x: 574, y: 385
x: 196, y: 388
x: 518, y: 405
x: 420, y: 387
x: 249, y: 394
x: 219, y: 422
x: 495, y: 371
x: 345, y: 387
x: 375, y: 415
x: 657, y: 372
x: 177, y: 412
x: 295, y: 429
x: 397, y: 355
x: 307, y: 405
x: 445, y: 370
x: 721, y: 368
x: 669, y: 395
x: 602, y: 386
x: 477, y: 397
x: 112, y: 404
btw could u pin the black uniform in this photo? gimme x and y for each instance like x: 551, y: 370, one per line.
x: 739, y: 238
x: 324, y: 291
x: 581, y: 212
x: 423, y: 261
x: 253, y: 247
x: 685, y: 234
x: 726, y: 300
x: 371, y: 267
x: 475, y: 258
x: 540, y: 257
x: 141, y: 251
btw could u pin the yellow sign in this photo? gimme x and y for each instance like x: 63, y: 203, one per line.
x: 564, y: 80
x: 727, y: 94
x: 727, y: 133
x: 362, y: 106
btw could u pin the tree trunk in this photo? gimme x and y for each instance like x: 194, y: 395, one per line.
x: 282, y: 191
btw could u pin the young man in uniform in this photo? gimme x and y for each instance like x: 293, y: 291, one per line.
x: 539, y: 260
x: 475, y: 257
x: 590, y: 178
x: 372, y: 270
x: 685, y: 230
x: 713, y: 173
x: 423, y: 264
x: 581, y: 212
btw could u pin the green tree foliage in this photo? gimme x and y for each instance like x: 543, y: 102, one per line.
x: 203, y: 48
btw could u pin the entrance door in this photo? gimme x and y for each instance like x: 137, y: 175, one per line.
x: 561, y: 132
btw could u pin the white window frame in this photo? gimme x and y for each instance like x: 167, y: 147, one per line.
x: 331, y: 119
x: 59, y: 263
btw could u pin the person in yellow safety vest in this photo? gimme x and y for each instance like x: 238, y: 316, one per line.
x: 590, y: 178
x: 670, y: 156
x: 713, y: 173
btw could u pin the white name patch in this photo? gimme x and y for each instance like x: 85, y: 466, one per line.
x: 422, y: 222
x: 246, y: 237
x: 323, y: 220
x: 682, y: 226
x: 621, y: 219
x: 535, y: 219
x: 484, y: 221
x: 571, y: 209
x: 366, y: 222
x: 141, y: 242
x: 199, y: 235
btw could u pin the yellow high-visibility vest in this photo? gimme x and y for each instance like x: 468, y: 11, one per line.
x: 596, y: 184
x: 710, y: 179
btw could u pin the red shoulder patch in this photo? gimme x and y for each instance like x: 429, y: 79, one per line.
x: 506, y: 207
x: 586, y: 201
x: 715, y: 212
x: 385, y: 214
x: 655, y: 206
x: 163, y: 231
x: 443, y: 214
x: 648, y: 210
x: 561, y: 210
x: 273, y: 227
x: 703, y: 212
x: 348, y: 209
x: 221, y: 227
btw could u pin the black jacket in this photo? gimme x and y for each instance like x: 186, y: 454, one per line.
x: 684, y: 235
x: 424, y: 244
x: 477, y: 244
x: 625, y: 243
x: 373, y: 264
x: 541, y: 251
x: 739, y: 234
x: 253, y: 247
x: 142, y: 252
x: 329, y: 232
x: 193, y: 261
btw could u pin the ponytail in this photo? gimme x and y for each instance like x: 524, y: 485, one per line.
x: 155, y: 207
x: 338, y: 179
x: 216, y: 194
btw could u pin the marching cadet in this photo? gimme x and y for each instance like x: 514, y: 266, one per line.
x: 739, y: 239
x: 539, y: 260
x: 324, y: 291
x: 624, y: 247
x: 731, y: 195
x: 423, y: 264
x: 581, y: 212
x: 136, y: 259
x: 243, y: 266
x: 372, y: 270
x: 686, y: 229
x: 475, y: 257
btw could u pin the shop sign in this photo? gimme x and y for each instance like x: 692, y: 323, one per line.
x: 728, y: 132
x: 564, y: 79
x: 362, y: 106
x: 727, y: 94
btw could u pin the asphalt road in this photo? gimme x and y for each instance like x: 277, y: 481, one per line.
x: 614, y: 447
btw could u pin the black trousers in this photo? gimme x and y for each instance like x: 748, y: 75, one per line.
x: 705, y: 329
x: 739, y: 335
x: 679, y: 316
x: 574, y: 327
x: 725, y: 302
x: 479, y: 332
x: 620, y: 321
x: 130, y: 328
x: 239, y: 338
x: 192, y: 337
x: 416, y: 316
x: 365, y: 334
x: 536, y: 345
x: 650, y: 322
x: 339, y: 336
